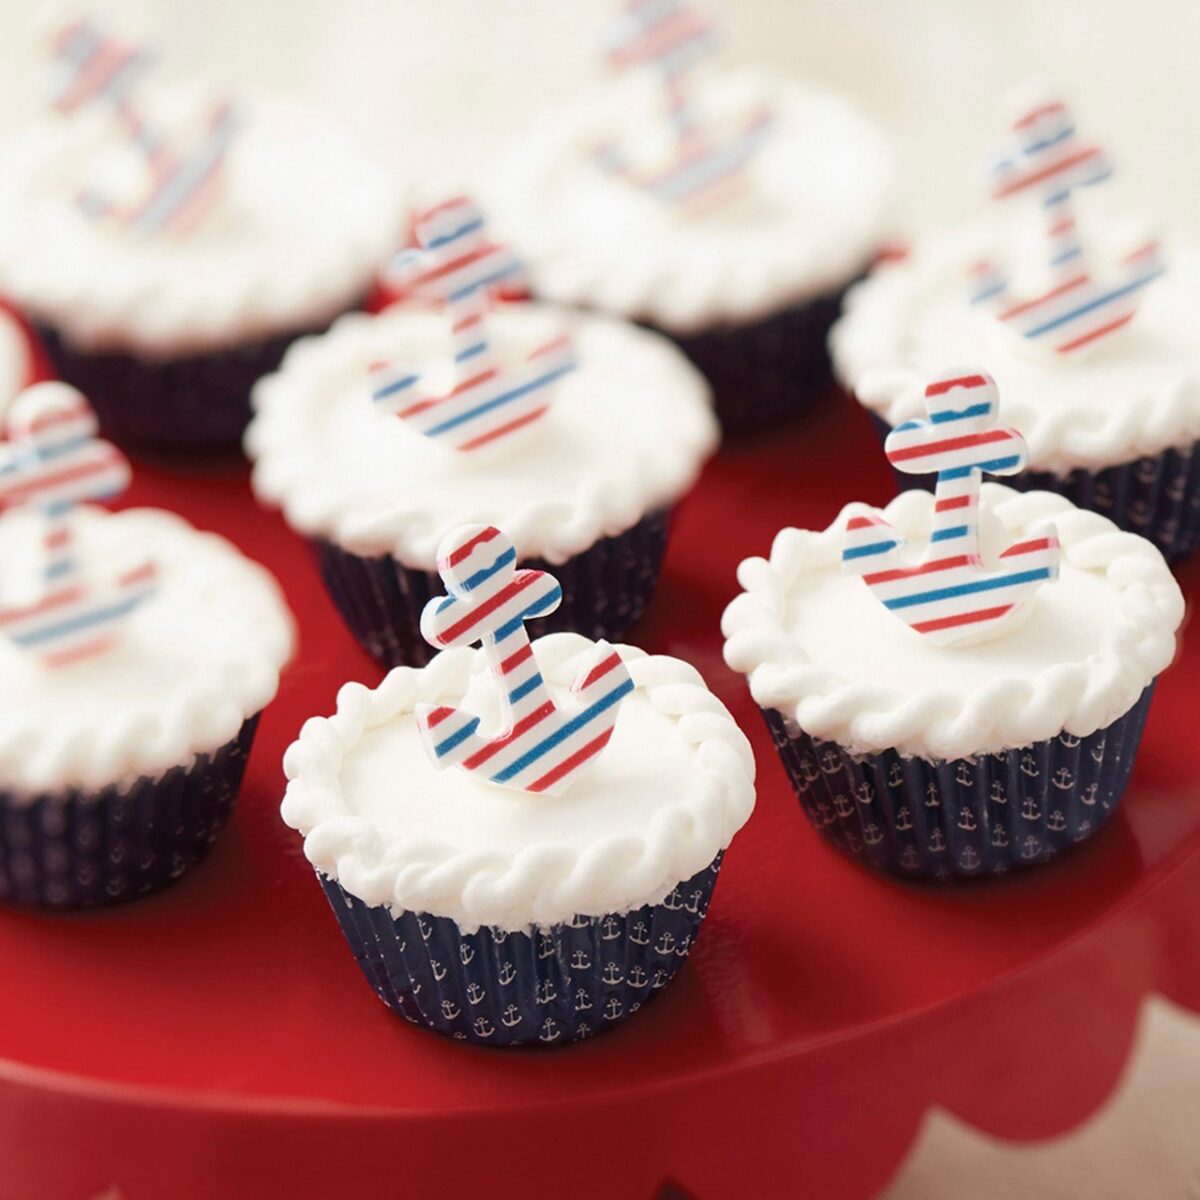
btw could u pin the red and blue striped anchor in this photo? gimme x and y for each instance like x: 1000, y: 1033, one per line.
x: 543, y: 747
x: 672, y: 38
x: 1049, y: 160
x: 951, y: 596
x: 54, y: 462
x: 461, y: 270
x: 181, y: 183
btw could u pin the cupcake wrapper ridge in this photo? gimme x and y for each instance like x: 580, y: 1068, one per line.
x: 965, y: 818
x: 188, y: 404
x: 605, y: 590
x: 73, y: 849
x: 770, y: 370
x: 548, y: 987
x: 1157, y: 497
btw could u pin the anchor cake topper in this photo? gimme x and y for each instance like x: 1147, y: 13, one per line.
x: 179, y: 171
x: 1048, y: 160
x: 705, y: 166
x: 951, y: 596
x: 53, y: 462
x: 461, y: 270
x: 544, y: 746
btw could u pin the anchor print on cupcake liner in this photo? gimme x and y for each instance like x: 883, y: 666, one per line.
x: 707, y: 159
x: 181, y: 173
x: 951, y: 596
x: 52, y: 462
x: 597, y: 972
x: 457, y: 267
x: 544, y: 745
x: 982, y: 817
x: 1048, y: 160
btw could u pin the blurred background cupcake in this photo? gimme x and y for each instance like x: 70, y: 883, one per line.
x: 167, y: 242
x: 576, y: 432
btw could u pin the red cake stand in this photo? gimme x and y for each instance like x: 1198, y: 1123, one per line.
x: 218, y: 1040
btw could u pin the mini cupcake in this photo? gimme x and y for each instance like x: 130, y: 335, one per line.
x: 167, y: 246
x: 546, y: 865
x: 577, y: 433
x: 972, y: 704
x: 727, y: 208
x: 135, y: 657
x: 1092, y: 342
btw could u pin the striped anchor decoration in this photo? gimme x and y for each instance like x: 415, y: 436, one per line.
x: 543, y: 747
x: 1049, y: 160
x: 54, y: 462
x: 181, y: 180
x: 951, y: 596
x: 458, y: 268
x: 706, y: 165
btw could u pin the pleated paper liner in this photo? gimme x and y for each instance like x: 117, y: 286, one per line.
x: 186, y: 404
x: 73, y: 849
x: 965, y: 818
x: 605, y: 590
x: 1157, y: 497
x: 770, y: 370
x: 547, y: 987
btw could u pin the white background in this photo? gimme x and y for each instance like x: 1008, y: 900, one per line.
x: 434, y: 87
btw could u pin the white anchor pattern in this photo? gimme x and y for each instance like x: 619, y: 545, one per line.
x: 553, y: 986
x: 979, y: 816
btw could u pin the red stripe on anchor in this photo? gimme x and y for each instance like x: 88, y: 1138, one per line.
x: 1093, y: 334
x: 981, y: 614
x: 941, y: 386
x: 938, y: 564
x: 515, y: 660
x: 76, y: 653
x: 569, y: 764
x: 1030, y: 547
x: 600, y: 670
x: 960, y: 443
x: 436, y: 716
x: 467, y: 384
x: 465, y: 549
x: 953, y: 502
x: 1049, y: 172
x: 501, y: 430
x: 502, y: 597
x: 67, y: 596
x: 1017, y: 309
x: 518, y: 730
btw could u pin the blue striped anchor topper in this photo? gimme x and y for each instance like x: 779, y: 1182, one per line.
x: 1048, y: 160
x: 179, y: 179
x: 544, y: 745
x: 707, y: 163
x: 951, y: 596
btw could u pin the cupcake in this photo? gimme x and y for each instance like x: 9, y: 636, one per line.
x: 577, y: 433
x: 957, y: 686
x: 546, y: 865
x: 1090, y: 338
x: 167, y: 246
x: 727, y: 208
x: 135, y: 657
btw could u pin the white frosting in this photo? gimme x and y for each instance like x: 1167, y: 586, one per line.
x: 627, y: 434
x: 1137, y: 393
x: 819, y: 648
x: 193, y: 662
x: 302, y: 223
x: 813, y: 211
x: 670, y: 790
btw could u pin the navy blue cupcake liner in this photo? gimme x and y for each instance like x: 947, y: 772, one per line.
x: 770, y: 370
x: 968, y: 817
x: 548, y: 987
x: 1157, y: 497
x: 73, y: 849
x: 605, y: 590
x: 196, y: 403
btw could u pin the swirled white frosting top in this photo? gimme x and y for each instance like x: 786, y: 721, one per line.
x: 1136, y: 393
x: 820, y: 649
x: 192, y: 663
x: 812, y: 214
x: 300, y: 227
x: 626, y: 435
x: 672, y: 787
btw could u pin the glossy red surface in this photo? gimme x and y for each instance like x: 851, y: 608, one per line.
x: 219, y: 1039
